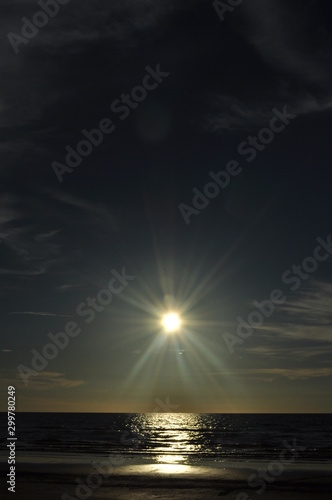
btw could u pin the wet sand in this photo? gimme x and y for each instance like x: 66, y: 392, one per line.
x: 151, y: 482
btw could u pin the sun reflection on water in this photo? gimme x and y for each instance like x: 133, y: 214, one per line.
x: 172, y: 438
x: 170, y: 459
x: 171, y: 464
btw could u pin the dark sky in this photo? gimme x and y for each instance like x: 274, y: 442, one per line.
x: 259, y: 79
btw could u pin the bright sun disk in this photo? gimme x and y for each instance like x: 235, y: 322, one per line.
x: 171, y: 322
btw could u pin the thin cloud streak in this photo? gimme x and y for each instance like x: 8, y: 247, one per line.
x: 41, y: 314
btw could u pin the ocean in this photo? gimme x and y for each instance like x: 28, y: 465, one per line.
x: 172, y: 438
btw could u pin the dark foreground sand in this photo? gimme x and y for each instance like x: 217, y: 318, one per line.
x: 56, y: 481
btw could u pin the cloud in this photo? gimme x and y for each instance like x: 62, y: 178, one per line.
x: 270, y: 374
x: 26, y: 251
x: 290, y: 350
x: 313, y: 305
x: 77, y: 27
x: 22, y: 272
x: 279, y: 31
x: 42, y: 314
x: 292, y: 373
x: 68, y: 286
x: 298, y: 331
x: 96, y: 19
x: 47, y: 381
x: 232, y: 113
x: 96, y: 213
x: 306, y: 316
x: 299, y: 66
x: 44, y: 236
x: 44, y: 381
x: 37, y: 234
x: 8, y: 212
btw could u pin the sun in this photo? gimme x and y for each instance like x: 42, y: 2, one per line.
x: 171, y: 322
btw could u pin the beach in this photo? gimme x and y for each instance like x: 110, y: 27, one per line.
x: 170, y: 456
x: 70, y: 481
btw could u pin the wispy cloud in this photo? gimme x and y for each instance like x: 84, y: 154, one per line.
x: 292, y: 374
x: 34, y: 231
x: 232, y: 113
x: 313, y: 305
x: 299, y: 330
x: 41, y: 314
x: 68, y: 286
x: 281, y: 350
x: 96, y: 213
x: 271, y: 374
x: 305, y: 316
x: 44, y: 236
x: 44, y: 381
x: 119, y: 21
x: 28, y: 251
x: 278, y: 33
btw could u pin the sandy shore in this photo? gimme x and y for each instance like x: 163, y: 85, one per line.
x: 150, y: 482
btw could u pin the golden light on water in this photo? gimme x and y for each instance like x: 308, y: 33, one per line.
x: 173, y: 440
x: 171, y: 322
x: 171, y: 464
x: 170, y: 459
